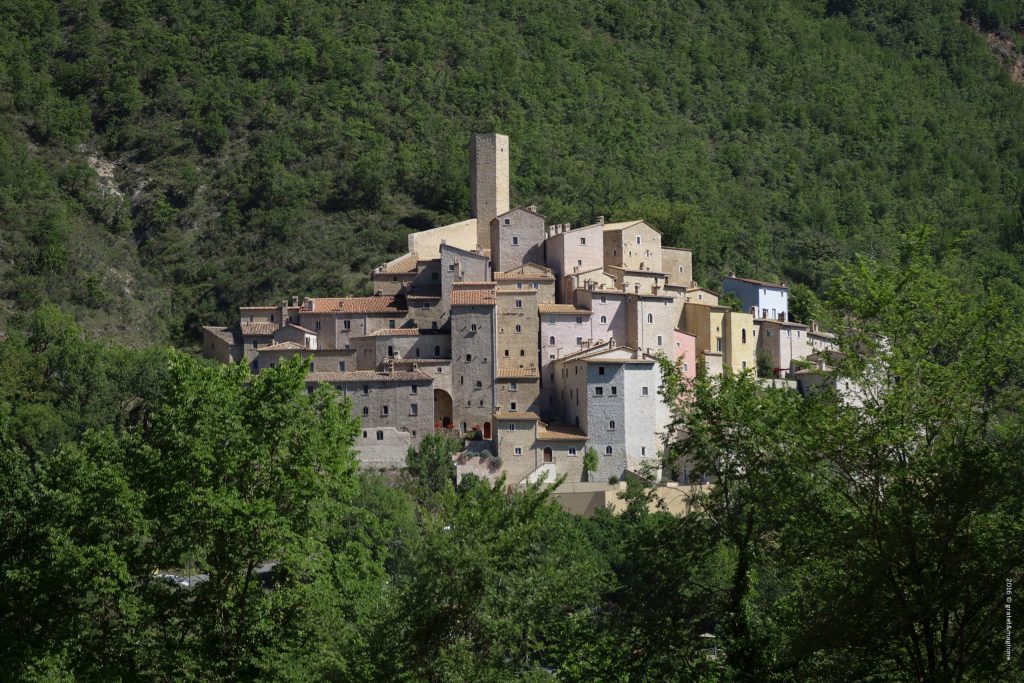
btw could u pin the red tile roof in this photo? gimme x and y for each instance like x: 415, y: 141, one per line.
x: 355, y: 304
x: 763, y: 283
x: 562, y: 309
x: 369, y: 376
x: 483, y: 296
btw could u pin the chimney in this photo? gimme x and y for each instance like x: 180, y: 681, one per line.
x: 568, y: 227
x: 753, y: 311
x: 532, y: 207
x: 600, y: 220
x: 295, y: 301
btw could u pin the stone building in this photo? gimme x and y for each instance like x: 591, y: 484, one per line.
x: 473, y: 331
x: 488, y: 183
x: 632, y: 245
x: 517, y: 238
x: 570, y: 252
x: 396, y: 408
x: 678, y: 265
x: 782, y: 342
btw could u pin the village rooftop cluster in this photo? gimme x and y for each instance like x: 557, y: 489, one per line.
x: 532, y: 341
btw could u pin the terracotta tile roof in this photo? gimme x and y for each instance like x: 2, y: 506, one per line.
x: 422, y: 361
x: 422, y: 297
x: 282, y: 346
x: 369, y: 376
x: 763, y: 283
x: 559, y: 431
x: 472, y: 283
x: 533, y: 417
x: 562, y: 309
x: 473, y: 297
x: 355, y: 304
x: 259, y: 329
x: 402, y: 264
x: 518, y: 373
x: 257, y: 308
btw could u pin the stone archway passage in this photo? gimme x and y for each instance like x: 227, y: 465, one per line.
x: 443, y: 408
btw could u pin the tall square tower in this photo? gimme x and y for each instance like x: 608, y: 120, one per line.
x: 488, y: 182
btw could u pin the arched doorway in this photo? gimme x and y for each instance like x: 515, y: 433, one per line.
x: 549, y: 456
x: 487, y: 430
x: 443, y: 408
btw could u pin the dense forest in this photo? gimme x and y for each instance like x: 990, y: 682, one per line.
x: 164, y: 162
x: 164, y: 518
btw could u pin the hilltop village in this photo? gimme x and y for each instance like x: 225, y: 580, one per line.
x: 533, y: 342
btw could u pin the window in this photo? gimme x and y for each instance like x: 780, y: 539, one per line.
x: 579, y: 262
x: 579, y: 320
x: 744, y: 364
x: 383, y: 411
x: 519, y: 285
x: 317, y: 325
x: 643, y: 450
x: 583, y: 240
x: 604, y: 299
x: 451, y: 267
x: 650, y: 317
x: 579, y: 341
x: 506, y: 353
x: 638, y: 239
x: 743, y: 336
x: 469, y: 357
x: 414, y: 389
x: 380, y: 435
x: 519, y: 451
x: 519, y: 328
x: 255, y: 344
x: 659, y: 340
x: 551, y: 341
x: 764, y: 312
x: 366, y: 389
x: 366, y: 411
x: 519, y: 303
x: 644, y: 391
x: 508, y: 221
x: 611, y: 425
x: 414, y: 409
x: 512, y: 427
x: 768, y: 332
x: 600, y: 369
x: 341, y: 366
x: 513, y: 405
x: 437, y: 352
x: 391, y: 351
x: 472, y: 328
x: 608, y: 450
x: 615, y: 391
x: 788, y: 332
x: 479, y: 384
x: 598, y: 391
x: 604, y: 319
x: 346, y: 325
x: 515, y: 241
x: 572, y: 450
x: 718, y: 344
x: 686, y: 367
x: 774, y: 314
x: 798, y: 334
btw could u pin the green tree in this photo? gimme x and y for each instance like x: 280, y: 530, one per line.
x: 590, y: 461
x: 431, y: 462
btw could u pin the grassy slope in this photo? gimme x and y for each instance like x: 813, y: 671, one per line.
x: 275, y: 148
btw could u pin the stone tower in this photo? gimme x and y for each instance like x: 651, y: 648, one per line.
x: 488, y: 182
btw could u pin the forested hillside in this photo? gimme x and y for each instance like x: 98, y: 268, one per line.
x: 162, y: 163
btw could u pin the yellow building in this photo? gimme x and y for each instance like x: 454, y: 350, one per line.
x: 740, y: 342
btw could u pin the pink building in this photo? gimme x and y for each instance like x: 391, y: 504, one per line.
x: 685, y: 349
